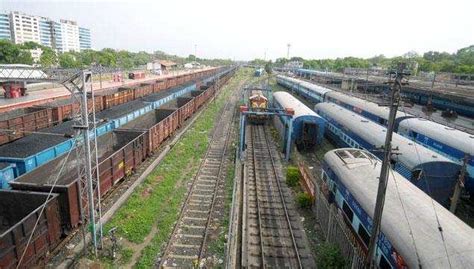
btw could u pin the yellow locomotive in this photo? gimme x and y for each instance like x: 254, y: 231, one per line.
x: 257, y: 103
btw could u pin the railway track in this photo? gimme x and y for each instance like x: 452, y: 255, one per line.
x: 187, y: 245
x: 272, y: 235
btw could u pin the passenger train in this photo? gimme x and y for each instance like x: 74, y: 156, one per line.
x: 451, y: 143
x: 431, y: 172
x: 410, y: 235
x: 308, y: 127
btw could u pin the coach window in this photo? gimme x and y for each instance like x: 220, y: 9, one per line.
x: 417, y: 174
x: 348, y: 211
x: 384, y: 264
x: 364, y: 235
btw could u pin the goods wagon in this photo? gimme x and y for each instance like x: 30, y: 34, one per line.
x: 19, y: 212
x: 119, y: 153
x: 308, y: 126
x: 7, y: 174
x: 159, y: 124
x: 36, y: 149
x: 65, y: 109
x: 143, y: 89
x: 185, y: 107
x: 24, y: 120
x: 115, y: 96
x: 159, y: 85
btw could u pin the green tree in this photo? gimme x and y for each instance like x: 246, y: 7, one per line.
x: 24, y: 57
x: 8, y: 52
x: 48, y: 58
x: 67, y: 60
x: 269, y: 67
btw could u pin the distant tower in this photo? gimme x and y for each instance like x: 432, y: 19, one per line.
x: 288, y: 51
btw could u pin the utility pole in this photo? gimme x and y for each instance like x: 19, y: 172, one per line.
x: 383, y: 179
x: 288, y: 51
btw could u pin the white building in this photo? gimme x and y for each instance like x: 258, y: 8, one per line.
x: 36, y: 54
x: 70, y: 36
x: 5, y: 31
x: 63, y: 36
x: 24, y: 28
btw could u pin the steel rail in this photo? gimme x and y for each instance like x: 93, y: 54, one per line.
x: 290, y: 229
x: 195, y: 179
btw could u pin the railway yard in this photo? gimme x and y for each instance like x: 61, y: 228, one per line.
x: 232, y: 167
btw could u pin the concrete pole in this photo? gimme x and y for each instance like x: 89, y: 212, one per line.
x: 384, y: 173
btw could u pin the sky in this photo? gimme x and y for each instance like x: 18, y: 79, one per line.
x: 248, y: 29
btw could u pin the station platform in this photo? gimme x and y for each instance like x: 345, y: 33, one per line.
x: 41, y: 96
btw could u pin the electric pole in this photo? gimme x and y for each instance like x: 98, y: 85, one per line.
x: 383, y: 179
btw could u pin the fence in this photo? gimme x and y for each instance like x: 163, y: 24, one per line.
x: 332, y: 222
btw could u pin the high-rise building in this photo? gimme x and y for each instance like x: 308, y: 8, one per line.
x: 46, y: 32
x: 57, y: 37
x: 5, y: 31
x: 25, y: 28
x: 63, y: 36
x: 84, y: 38
x: 70, y: 36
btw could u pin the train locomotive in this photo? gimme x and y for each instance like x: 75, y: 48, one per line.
x: 411, y: 236
x: 257, y: 102
x: 308, y: 126
x: 428, y: 170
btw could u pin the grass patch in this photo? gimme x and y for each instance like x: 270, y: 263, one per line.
x: 292, y: 176
x: 304, y: 200
x: 329, y: 256
x: 217, y: 247
x: 158, y: 200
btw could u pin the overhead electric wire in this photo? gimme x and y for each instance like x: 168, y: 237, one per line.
x: 440, y: 228
x: 45, y: 203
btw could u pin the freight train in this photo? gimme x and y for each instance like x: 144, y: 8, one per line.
x: 20, y: 122
x: 120, y: 152
x: 415, y: 231
x: 308, y: 126
x: 430, y: 171
x: 28, y: 153
x: 449, y: 142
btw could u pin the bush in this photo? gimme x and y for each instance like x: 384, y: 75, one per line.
x: 329, y: 256
x: 304, y: 200
x: 292, y: 176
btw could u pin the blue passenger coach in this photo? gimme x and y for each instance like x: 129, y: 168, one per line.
x: 428, y: 170
x: 308, y: 90
x: 367, y: 109
x: 450, y: 142
x: 308, y: 127
x: 415, y: 231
